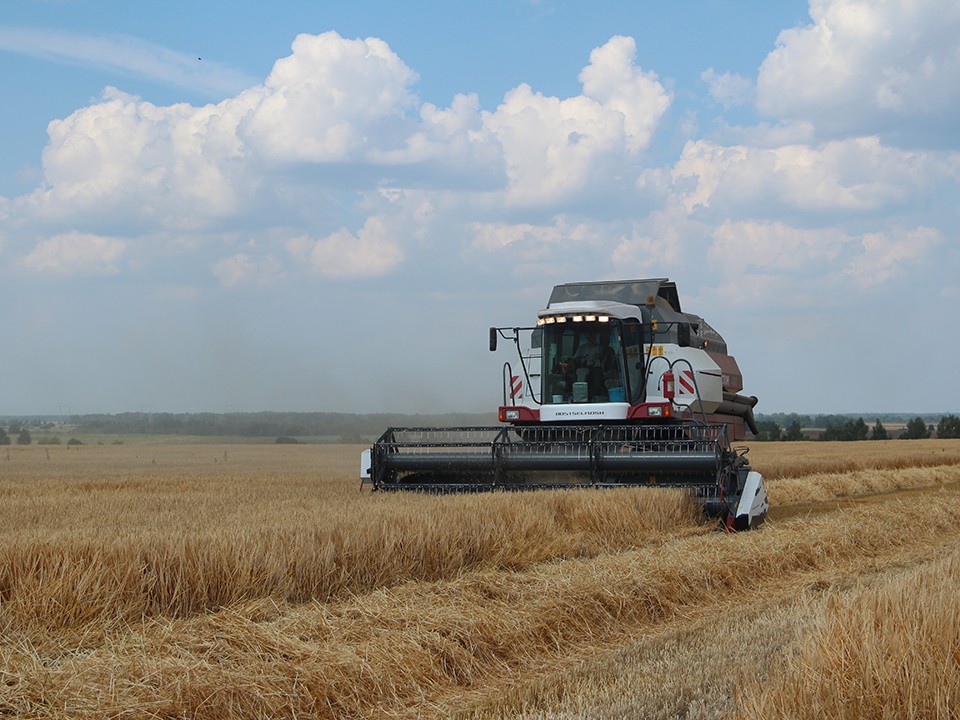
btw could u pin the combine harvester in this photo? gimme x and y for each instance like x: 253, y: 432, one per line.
x: 616, y: 386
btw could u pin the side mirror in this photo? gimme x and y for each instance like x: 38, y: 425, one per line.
x: 493, y: 339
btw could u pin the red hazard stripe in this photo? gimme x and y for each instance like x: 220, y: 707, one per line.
x: 686, y: 381
x: 516, y: 387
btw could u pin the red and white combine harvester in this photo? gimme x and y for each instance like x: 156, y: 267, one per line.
x: 615, y: 386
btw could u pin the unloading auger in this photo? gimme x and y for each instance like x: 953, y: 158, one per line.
x: 616, y: 386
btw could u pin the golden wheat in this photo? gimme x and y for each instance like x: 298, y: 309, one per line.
x: 826, y: 487
x: 885, y: 647
x: 404, y: 650
x: 889, y: 650
x: 233, y: 581
x: 795, y: 459
x: 82, y: 551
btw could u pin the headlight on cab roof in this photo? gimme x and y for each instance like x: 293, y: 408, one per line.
x: 550, y: 319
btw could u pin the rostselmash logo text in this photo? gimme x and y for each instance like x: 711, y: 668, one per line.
x: 564, y: 413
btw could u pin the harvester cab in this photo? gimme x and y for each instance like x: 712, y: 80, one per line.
x: 614, y: 386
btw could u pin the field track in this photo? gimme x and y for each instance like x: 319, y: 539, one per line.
x: 593, y: 604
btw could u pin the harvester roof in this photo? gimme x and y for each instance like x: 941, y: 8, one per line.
x: 629, y: 292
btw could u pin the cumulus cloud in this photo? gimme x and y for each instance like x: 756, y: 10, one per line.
x: 565, y: 246
x: 856, y: 175
x: 748, y: 291
x: 794, y: 266
x: 368, y: 253
x: 126, y: 159
x: 242, y: 269
x: 613, y: 80
x: 450, y: 146
x: 775, y: 247
x: 335, y: 139
x: 492, y: 237
x: 728, y: 89
x: 658, y: 244
x: 555, y: 148
x: 339, y: 113
x: 887, y: 255
x: 76, y: 253
x: 863, y: 67
x: 331, y: 100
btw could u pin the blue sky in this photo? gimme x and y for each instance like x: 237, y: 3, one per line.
x: 310, y: 206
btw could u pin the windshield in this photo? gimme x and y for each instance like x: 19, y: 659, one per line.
x: 582, y: 362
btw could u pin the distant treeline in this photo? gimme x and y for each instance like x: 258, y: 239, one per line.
x: 348, y: 427
x: 792, y: 426
x: 266, y: 424
x: 822, y: 421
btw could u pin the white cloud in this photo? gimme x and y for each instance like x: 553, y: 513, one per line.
x: 451, y: 144
x: 334, y: 138
x: 334, y: 123
x: 728, y: 89
x: 864, y: 66
x: 493, y: 237
x: 887, y: 255
x: 331, y: 100
x: 125, y: 161
x: 242, y: 269
x: 552, y: 146
x: 556, y: 148
x: 747, y: 291
x: 659, y: 244
x: 125, y: 55
x: 613, y: 80
x: 775, y: 247
x: 778, y: 264
x: 167, y: 166
x: 766, y: 135
x: 856, y: 175
x: 372, y: 251
x: 76, y: 254
x: 562, y: 247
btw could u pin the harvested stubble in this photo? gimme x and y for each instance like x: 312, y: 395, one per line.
x: 891, y: 650
x: 690, y: 670
x: 430, y: 648
x: 885, y: 644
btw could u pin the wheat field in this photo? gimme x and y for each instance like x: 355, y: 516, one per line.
x: 259, y: 581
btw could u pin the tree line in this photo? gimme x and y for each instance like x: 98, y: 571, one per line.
x: 361, y: 428
x: 843, y: 428
x: 259, y: 425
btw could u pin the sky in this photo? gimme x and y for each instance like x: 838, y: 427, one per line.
x: 317, y: 206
